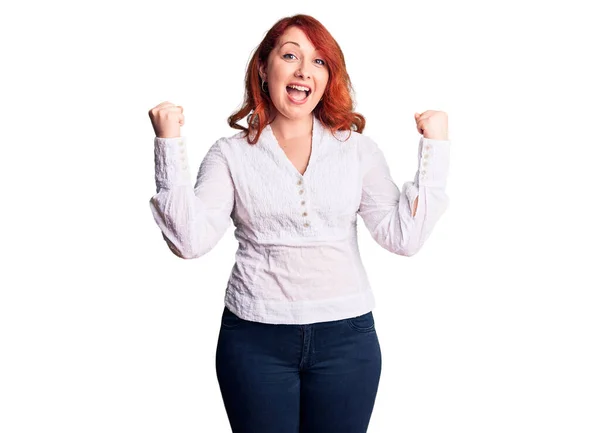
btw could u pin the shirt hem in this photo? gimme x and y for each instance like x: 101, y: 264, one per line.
x: 298, y: 312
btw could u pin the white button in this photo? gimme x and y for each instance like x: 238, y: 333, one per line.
x: 301, y: 191
x: 306, y: 224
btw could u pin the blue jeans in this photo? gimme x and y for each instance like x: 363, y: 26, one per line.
x: 315, y: 378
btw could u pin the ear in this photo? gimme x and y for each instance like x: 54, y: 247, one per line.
x: 261, y: 71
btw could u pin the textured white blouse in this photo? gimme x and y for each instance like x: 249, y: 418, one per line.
x: 298, y: 260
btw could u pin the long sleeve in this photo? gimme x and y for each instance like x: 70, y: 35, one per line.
x: 192, y: 219
x: 386, y: 210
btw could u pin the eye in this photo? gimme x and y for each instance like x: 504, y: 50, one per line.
x: 320, y: 60
x: 288, y: 54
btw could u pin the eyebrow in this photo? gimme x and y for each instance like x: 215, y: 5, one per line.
x: 291, y: 42
x: 295, y: 43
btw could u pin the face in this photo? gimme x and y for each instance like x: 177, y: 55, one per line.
x: 294, y: 61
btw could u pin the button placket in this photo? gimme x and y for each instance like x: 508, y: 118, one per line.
x: 301, y: 191
x: 183, y: 155
x: 424, y: 163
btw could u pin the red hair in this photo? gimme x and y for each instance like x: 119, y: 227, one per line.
x: 335, y: 110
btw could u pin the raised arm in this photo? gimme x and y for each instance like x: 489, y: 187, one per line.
x: 388, y: 213
x: 192, y: 218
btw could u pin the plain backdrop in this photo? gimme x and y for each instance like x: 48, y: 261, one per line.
x: 492, y: 327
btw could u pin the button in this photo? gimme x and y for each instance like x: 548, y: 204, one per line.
x: 301, y: 191
x: 300, y: 182
x: 181, y: 142
x: 302, y: 202
x: 425, y: 156
x: 304, y: 214
x: 424, y: 163
x: 306, y: 224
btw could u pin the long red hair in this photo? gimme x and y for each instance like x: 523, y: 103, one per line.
x: 335, y: 110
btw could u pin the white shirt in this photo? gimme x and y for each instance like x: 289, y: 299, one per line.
x: 298, y: 260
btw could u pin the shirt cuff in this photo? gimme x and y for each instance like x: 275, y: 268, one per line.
x: 434, y: 160
x: 171, y: 162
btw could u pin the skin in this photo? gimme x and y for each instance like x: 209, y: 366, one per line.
x: 297, y: 62
x: 294, y: 59
x: 432, y: 124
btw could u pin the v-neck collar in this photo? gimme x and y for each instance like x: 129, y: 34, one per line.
x: 279, y: 153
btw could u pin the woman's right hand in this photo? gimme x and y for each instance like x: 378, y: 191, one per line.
x: 167, y: 119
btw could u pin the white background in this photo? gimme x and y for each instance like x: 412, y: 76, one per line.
x: 492, y: 327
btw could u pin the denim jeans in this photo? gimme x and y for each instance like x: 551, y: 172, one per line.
x: 315, y: 378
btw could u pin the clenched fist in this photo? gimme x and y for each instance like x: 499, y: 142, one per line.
x: 432, y: 124
x: 167, y: 119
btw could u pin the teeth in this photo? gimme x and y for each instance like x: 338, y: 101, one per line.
x: 302, y: 88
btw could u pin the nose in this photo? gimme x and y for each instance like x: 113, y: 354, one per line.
x: 300, y: 73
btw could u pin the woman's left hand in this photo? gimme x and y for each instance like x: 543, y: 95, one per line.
x: 432, y: 124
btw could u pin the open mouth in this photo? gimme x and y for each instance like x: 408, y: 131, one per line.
x: 297, y: 93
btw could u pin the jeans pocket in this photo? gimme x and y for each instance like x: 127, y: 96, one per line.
x: 229, y: 320
x: 364, y: 323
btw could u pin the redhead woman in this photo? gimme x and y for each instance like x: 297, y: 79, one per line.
x: 297, y: 348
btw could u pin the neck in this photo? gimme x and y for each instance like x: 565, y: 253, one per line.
x: 292, y: 128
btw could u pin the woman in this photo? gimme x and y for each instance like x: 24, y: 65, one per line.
x: 297, y: 348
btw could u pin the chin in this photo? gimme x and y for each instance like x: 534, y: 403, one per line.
x: 298, y: 115
x: 296, y: 111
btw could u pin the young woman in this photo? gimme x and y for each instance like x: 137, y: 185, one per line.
x: 297, y: 348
